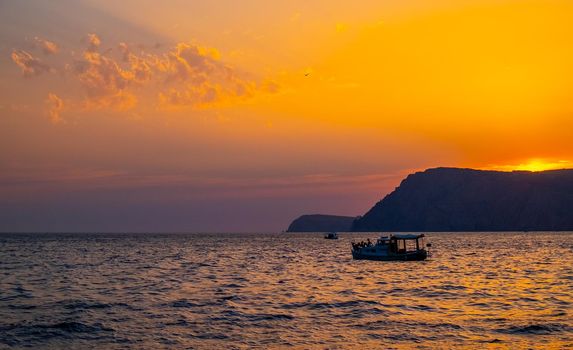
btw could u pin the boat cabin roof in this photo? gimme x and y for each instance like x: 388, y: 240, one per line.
x: 405, y: 236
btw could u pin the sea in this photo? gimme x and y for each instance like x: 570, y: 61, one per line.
x: 283, y: 291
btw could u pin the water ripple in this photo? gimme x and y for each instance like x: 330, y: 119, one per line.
x: 267, y: 291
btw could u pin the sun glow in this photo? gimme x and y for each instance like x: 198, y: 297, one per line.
x: 535, y: 165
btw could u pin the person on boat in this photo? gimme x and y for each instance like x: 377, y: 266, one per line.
x: 369, y: 243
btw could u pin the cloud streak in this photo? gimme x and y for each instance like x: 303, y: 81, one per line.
x: 211, y: 186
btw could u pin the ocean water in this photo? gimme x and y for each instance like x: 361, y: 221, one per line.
x: 281, y: 291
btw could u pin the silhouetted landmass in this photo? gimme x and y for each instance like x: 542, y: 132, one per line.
x: 450, y: 199
x: 321, y: 223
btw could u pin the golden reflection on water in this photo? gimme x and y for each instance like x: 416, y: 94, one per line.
x: 300, y: 291
x: 498, y: 291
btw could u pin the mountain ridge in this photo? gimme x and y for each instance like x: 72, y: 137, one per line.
x: 446, y: 199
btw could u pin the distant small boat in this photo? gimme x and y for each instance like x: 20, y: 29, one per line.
x: 391, y: 248
x: 331, y: 235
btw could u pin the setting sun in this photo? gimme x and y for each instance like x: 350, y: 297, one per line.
x: 535, y: 165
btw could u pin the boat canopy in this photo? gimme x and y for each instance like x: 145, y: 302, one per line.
x: 407, y: 236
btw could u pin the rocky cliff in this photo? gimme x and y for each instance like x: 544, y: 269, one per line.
x: 450, y: 199
x: 321, y: 223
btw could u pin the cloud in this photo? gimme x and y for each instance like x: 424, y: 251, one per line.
x: 47, y: 47
x: 197, y: 96
x: 188, y: 75
x: 189, y: 63
x: 185, y: 76
x: 103, y: 79
x: 29, y: 65
x: 198, y: 78
x: 55, y: 107
x: 125, y: 51
x: 140, y: 67
x: 94, y: 42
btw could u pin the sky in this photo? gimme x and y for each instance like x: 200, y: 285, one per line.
x: 210, y: 116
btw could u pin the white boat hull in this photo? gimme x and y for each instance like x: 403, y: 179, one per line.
x: 363, y: 254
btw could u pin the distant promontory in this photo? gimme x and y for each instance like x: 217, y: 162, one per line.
x: 321, y: 223
x: 453, y: 199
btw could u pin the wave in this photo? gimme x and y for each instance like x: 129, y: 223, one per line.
x: 537, y: 329
x: 150, y: 293
x: 333, y: 305
x: 66, y: 326
x: 237, y: 316
x: 30, y: 333
x: 184, y: 303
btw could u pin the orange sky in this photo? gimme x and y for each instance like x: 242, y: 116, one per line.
x: 327, y: 103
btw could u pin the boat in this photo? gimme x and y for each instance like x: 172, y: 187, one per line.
x: 404, y: 247
x: 331, y: 235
